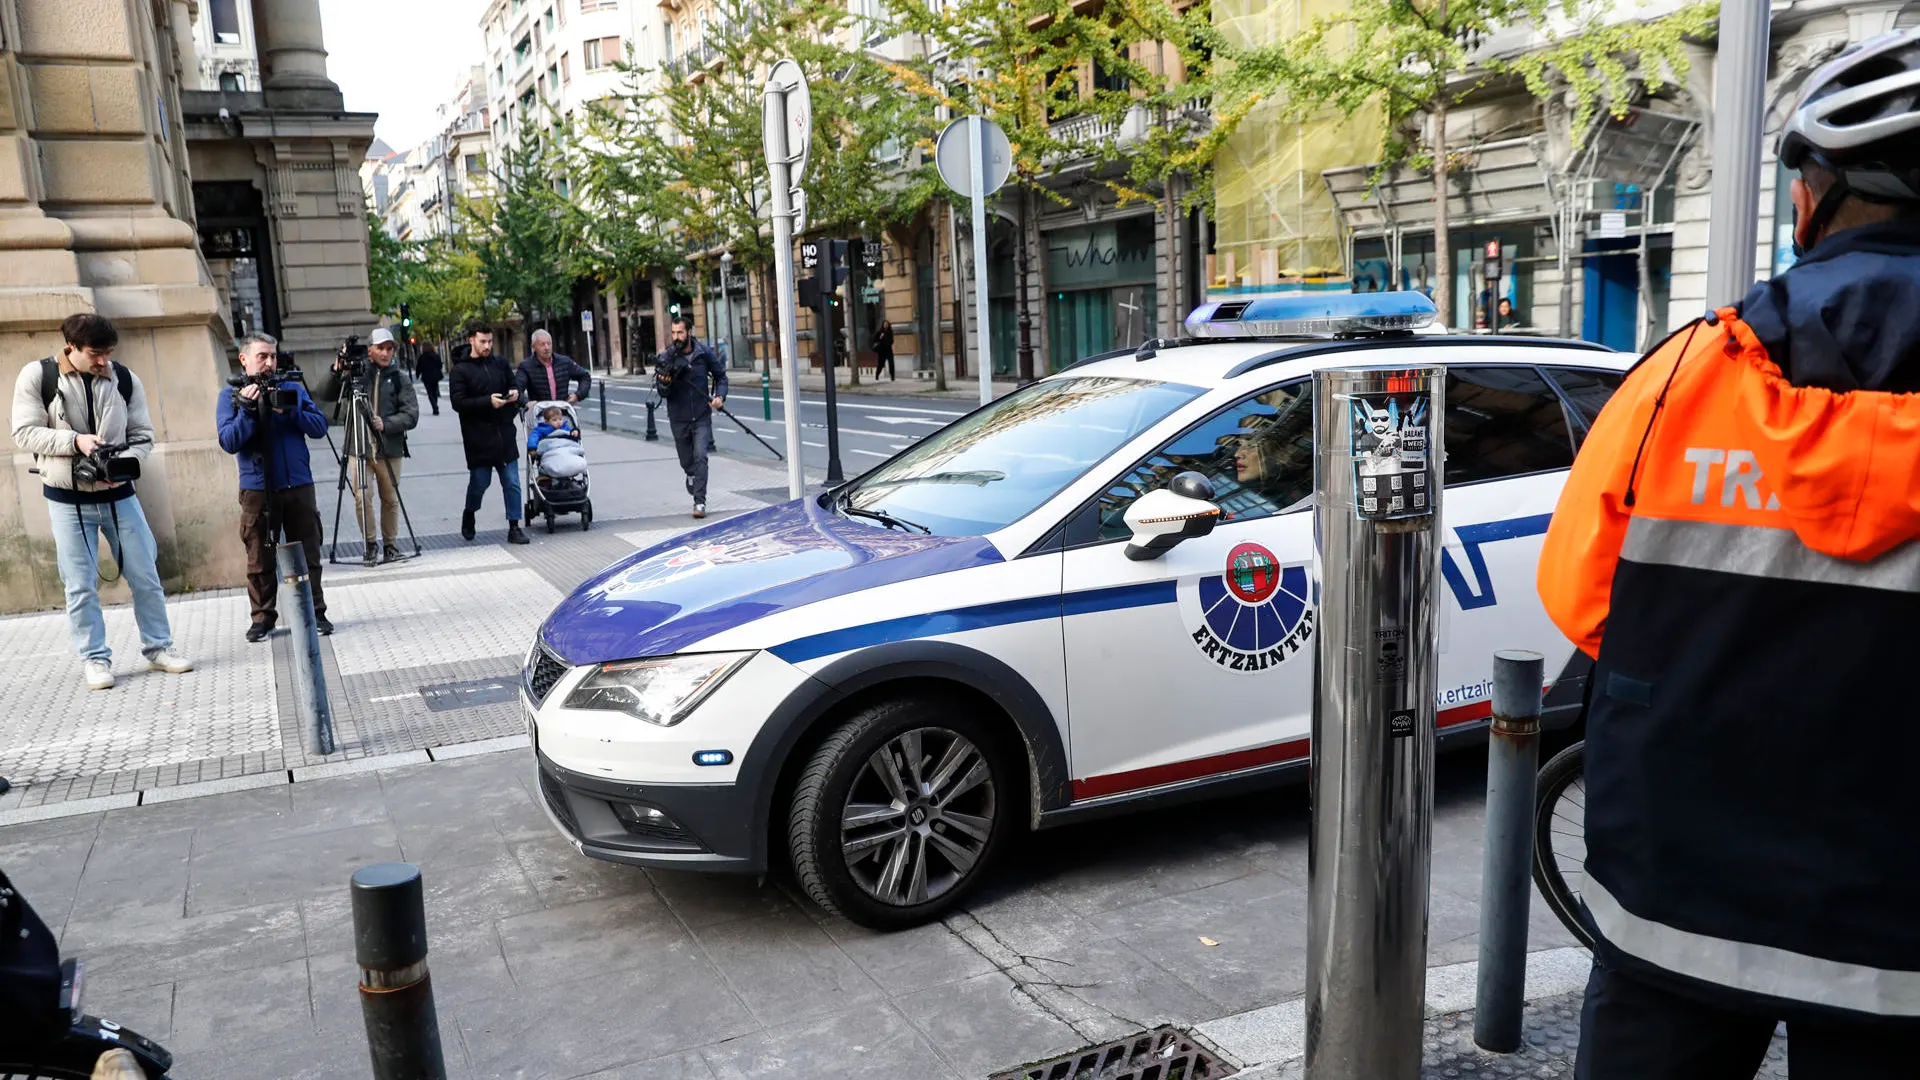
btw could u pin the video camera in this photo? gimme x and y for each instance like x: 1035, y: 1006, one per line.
x: 272, y: 394
x: 106, y: 466
x: 670, y: 365
x: 353, y: 358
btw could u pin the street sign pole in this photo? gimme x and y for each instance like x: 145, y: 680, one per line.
x: 586, y: 327
x: 982, y: 338
x: 823, y: 333
x: 784, y: 78
x: 1739, y: 106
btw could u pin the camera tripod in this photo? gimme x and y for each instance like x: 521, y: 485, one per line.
x: 355, y: 455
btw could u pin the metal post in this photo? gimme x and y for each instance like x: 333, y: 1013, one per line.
x: 983, y: 338
x: 603, y: 401
x: 774, y: 116
x: 589, y: 334
x: 1506, y: 884
x: 1376, y: 567
x: 1739, y: 102
x: 653, y: 433
x: 823, y: 333
x: 396, y: 993
x: 766, y: 397
x: 309, y: 674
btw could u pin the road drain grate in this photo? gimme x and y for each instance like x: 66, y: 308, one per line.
x: 1165, y: 1053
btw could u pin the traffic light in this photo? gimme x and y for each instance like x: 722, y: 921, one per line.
x: 673, y: 309
x: 406, y: 314
x: 837, y: 258
x: 810, y: 292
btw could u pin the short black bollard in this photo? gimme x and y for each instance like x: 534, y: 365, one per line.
x: 1506, y: 883
x: 653, y: 433
x: 603, y: 406
x: 309, y: 674
x: 396, y: 993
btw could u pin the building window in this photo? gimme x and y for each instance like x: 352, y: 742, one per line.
x: 566, y: 68
x: 473, y: 164
x: 548, y: 20
x: 599, y: 5
x: 230, y: 82
x: 553, y: 76
x: 601, y: 52
x: 522, y: 50
x: 226, y: 22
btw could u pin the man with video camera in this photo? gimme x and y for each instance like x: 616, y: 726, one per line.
x: 693, y: 383
x: 84, y: 419
x: 265, y: 420
x: 392, y: 410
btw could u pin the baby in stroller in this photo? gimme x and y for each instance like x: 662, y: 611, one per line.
x: 558, y: 466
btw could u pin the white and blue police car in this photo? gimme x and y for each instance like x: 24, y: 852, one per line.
x: 1012, y: 625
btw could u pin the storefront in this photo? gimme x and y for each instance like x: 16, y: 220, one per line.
x: 1100, y: 288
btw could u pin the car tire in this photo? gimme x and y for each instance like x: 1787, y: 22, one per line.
x: 922, y: 849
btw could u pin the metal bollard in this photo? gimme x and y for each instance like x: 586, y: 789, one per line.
x: 1506, y: 883
x: 603, y: 406
x: 653, y: 433
x: 396, y: 993
x: 309, y: 674
x: 766, y: 397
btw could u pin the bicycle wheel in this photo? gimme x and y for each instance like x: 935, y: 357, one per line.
x: 1560, y: 839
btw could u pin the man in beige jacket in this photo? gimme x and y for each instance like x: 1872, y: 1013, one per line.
x: 84, y: 419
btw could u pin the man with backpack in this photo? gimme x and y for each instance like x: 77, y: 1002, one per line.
x: 84, y: 419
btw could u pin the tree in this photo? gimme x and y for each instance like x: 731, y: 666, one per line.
x: 448, y: 288
x: 388, y: 268
x: 1412, y: 58
x: 523, y: 227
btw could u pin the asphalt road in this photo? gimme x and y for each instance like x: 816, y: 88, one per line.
x: 872, y: 428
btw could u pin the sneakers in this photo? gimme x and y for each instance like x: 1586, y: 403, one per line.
x: 259, y: 632
x: 699, y: 510
x: 98, y: 673
x: 372, y: 556
x: 389, y: 554
x: 170, y: 662
x: 466, y: 525
x: 515, y: 534
x: 324, y: 625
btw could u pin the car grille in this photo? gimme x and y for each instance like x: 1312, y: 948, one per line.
x: 545, y: 670
x: 556, y: 799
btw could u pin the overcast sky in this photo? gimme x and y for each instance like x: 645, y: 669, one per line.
x: 400, y: 58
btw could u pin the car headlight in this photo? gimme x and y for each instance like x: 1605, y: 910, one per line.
x: 661, y: 690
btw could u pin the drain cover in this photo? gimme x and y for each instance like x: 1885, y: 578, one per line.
x: 1165, y: 1053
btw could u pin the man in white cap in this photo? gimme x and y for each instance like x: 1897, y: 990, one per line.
x: 392, y: 410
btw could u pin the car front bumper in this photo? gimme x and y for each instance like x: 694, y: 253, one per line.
x: 664, y: 826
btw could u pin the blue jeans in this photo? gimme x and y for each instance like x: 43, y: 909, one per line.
x: 77, y: 538
x: 478, y: 479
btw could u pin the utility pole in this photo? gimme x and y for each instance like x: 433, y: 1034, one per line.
x: 1739, y: 100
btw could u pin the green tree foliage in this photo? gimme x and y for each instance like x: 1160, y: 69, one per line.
x: 524, y: 230
x: 389, y: 268
x: 447, y: 288
x: 1412, y: 57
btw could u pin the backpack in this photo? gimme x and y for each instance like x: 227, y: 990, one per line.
x: 50, y: 382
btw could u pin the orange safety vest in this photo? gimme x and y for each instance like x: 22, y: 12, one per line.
x: 1738, y: 554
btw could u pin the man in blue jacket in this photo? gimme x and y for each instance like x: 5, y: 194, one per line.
x: 276, y: 478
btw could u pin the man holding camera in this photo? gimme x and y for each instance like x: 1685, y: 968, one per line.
x: 84, y: 419
x: 550, y: 376
x: 482, y: 391
x: 693, y: 383
x: 392, y: 410
x: 265, y: 421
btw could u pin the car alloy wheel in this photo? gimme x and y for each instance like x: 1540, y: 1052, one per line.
x: 918, y: 816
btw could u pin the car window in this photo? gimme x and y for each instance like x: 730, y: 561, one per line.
x: 1586, y: 391
x: 1258, y: 452
x: 994, y: 466
x: 1503, y: 421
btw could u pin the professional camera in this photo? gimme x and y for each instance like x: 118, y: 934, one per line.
x: 670, y: 365
x: 272, y: 394
x: 353, y: 358
x: 106, y: 466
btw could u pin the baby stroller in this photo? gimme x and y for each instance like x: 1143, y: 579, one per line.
x: 556, y: 465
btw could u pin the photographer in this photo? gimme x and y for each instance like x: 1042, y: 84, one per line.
x: 693, y: 383
x: 483, y: 393
x: 550, y: 376
x: 84, y: 420
x: 265, y: 422
x: 392, y: 410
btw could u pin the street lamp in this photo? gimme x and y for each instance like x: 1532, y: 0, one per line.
x: 726, y: 305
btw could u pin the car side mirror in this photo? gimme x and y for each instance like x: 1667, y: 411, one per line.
x: 1161, y: 519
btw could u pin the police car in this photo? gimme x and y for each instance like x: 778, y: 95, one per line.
x: 1017, y: 623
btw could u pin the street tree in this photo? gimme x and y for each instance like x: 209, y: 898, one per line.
x: 448, y: 288
x: 1412, y: 60
x: 389, y: 267
x: 523, y: 229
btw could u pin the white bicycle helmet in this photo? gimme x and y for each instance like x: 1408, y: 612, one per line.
x: 1858, y: 117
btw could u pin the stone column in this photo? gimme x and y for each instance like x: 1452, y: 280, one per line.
x: 183, y: 14
x: 291, y: 48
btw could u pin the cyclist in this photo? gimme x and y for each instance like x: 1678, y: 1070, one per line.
x: 1741, y: 525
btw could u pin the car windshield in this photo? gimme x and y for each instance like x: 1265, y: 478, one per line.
x: 995, y: 466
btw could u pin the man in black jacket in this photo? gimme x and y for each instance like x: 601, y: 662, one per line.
x: 551, y: 376
x: 693, y: 383
x: 428, y: 368
x: 482, y: 391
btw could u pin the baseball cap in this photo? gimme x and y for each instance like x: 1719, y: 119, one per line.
x: 382, y: 336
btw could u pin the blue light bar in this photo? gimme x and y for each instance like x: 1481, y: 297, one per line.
x: 1312, y: 314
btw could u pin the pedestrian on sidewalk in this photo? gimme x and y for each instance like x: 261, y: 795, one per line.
x: 393, y: 410
x: 883, y: 350
x: 1737, y: 547
x: 551, y: 376
x: 84, y: 419
x: 693, y: 383
x: 428, y: 368
x: 276, y: 478
x: 482, y: 391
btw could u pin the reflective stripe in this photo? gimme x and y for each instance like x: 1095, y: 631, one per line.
x: 1759, y: 969
x: 1758, y: 551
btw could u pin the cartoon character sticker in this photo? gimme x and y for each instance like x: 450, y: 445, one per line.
x: 1390, y: 462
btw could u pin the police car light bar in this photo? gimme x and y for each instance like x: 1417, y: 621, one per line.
x: 1312, y: 314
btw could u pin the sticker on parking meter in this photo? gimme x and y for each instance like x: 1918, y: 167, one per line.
x: 1390, y: 455
x: 1400, y: 723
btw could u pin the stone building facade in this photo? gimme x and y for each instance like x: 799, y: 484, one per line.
x: 128, y: 190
